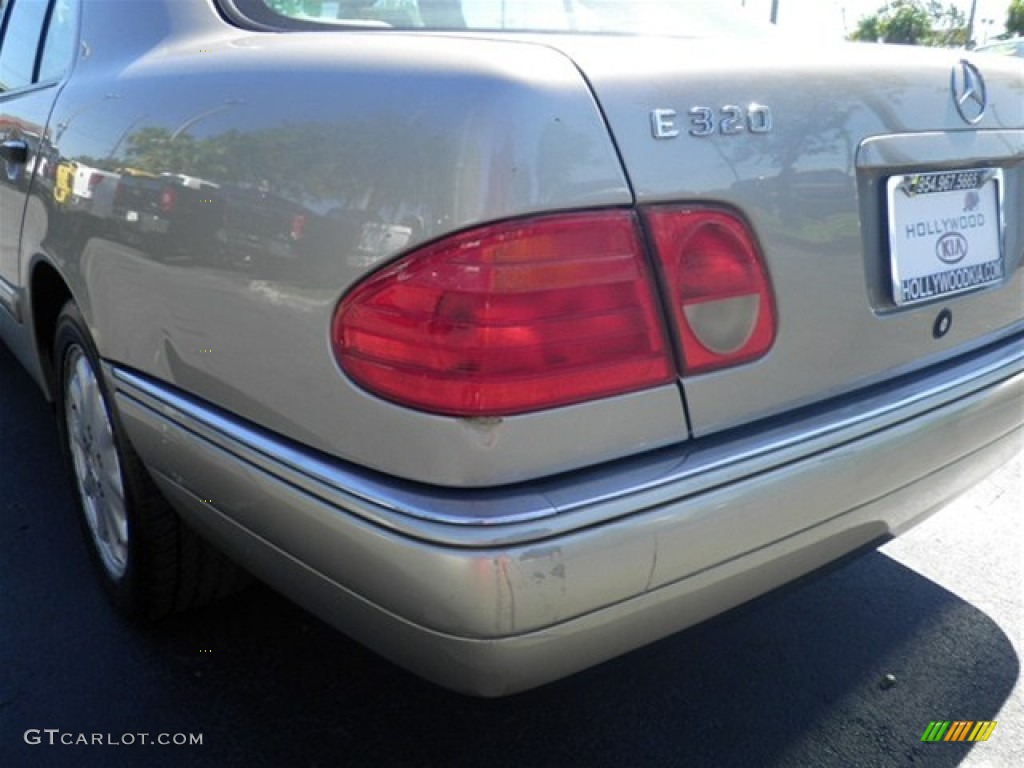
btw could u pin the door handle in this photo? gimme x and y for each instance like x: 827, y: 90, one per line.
x: 14, y: 152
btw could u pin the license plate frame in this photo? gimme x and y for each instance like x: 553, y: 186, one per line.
x: 945, y: 233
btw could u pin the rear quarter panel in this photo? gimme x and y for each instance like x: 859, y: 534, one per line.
x: 294, y: 164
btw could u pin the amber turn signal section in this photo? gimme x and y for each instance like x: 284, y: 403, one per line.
x: 715, y: 286
x: 509, y: 318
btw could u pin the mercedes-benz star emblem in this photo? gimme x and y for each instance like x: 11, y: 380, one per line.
x: 968, y: 92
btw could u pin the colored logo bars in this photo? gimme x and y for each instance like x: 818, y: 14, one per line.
x: 958, y: 730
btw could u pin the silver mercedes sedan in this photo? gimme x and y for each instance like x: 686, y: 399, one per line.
x: 505, y: 336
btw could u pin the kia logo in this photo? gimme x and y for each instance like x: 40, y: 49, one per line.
x: 951, y: 247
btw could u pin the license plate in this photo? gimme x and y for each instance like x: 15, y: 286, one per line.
x: 945, y: 233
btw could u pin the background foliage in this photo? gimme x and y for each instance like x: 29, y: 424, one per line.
x: 914, y: 22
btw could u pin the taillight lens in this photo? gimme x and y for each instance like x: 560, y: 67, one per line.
x: 509, y: 318
x: 716, y: 287
x: 168, y: 200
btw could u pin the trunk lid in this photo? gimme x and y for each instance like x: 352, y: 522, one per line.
x: 803, y: 147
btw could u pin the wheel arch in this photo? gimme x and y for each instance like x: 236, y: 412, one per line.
x: 48, y: 293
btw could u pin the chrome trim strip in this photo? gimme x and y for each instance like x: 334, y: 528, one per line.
x: 893, y: 152
x: 541, y: 509
x: 294, y: 465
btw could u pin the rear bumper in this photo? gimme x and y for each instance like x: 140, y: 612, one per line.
x: 491, y: 592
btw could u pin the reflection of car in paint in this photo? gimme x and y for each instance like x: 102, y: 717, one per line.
x: 85, y: 187
x: 353, y: 231
x: 169, y: 213
x: 138, y: 202
x: 64, y: 179
x: 17, y: 134
x: 509, y: 336
x: 1013, y: 46
x: 90, y: 183
x: 260, y: 228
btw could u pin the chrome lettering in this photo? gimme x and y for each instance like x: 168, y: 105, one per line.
x: 727, y: 120
x: 759, y: 118
x: 663, y: 123
x: 732, y: 120
x: 702, y: 121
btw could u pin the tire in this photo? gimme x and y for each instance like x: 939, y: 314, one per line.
x: 150, y: 563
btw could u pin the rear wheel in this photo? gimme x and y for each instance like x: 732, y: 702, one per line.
x: 150, y: 562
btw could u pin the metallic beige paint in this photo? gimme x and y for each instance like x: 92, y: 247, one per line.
x: 212, y: 193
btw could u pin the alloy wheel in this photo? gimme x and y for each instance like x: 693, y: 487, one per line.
x: 95, y: 462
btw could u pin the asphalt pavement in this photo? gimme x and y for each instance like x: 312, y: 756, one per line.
x: 845, y: 669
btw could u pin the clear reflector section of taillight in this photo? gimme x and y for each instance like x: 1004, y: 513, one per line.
x: 715, y: 285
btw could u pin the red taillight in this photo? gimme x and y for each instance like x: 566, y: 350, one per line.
x: 509, y: 318
x: 168, y: 200
x: 94, y: 181
x: 715, y: 285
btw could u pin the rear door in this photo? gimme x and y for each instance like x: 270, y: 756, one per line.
x: 37, y: 43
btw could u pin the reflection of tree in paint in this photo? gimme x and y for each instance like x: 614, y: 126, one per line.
x: 311, y: 170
